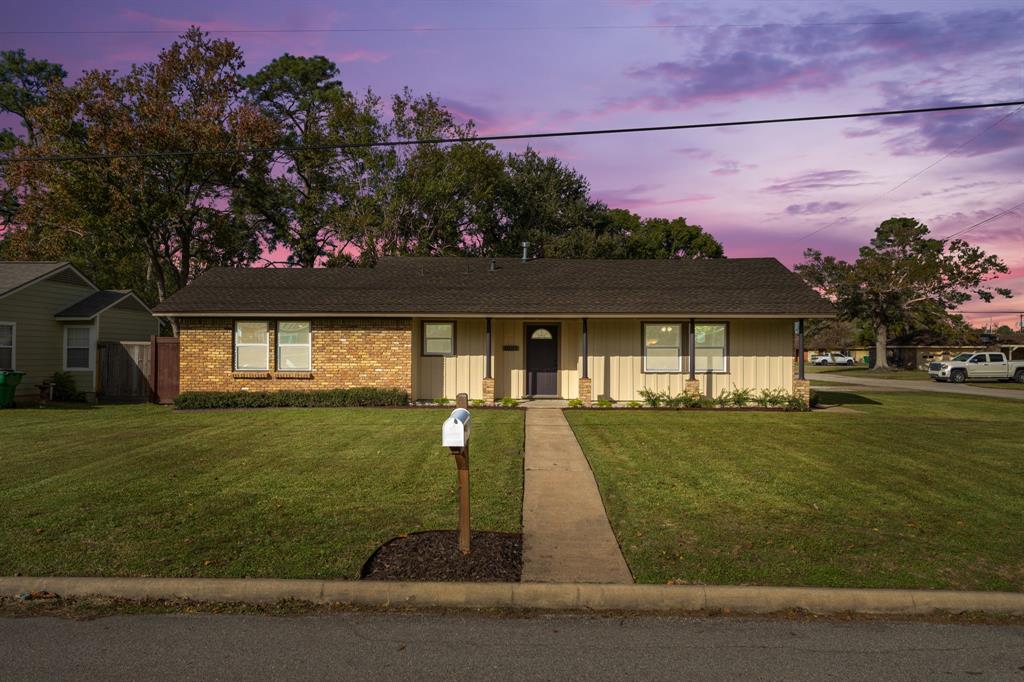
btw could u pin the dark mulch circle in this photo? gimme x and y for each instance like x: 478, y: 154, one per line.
x: 434, y: 556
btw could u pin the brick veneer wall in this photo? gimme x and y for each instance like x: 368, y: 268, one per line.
x: 347, y: 353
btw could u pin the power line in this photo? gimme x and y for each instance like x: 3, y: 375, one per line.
x: 500, y: 138
x: 982, y: 222
x: 916, y: 175
x: 450, y: 29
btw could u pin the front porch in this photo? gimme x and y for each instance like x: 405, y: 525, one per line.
x: 611, y: 358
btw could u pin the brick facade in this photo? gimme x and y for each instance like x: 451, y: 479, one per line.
x: 802, y: 388
x: 347, y: 353
x: 488, y: 390
x: 586, y: 391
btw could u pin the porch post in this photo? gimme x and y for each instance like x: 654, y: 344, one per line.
x: 586, y: 392
x: 487, y: 352
x: 585, y: 371
x: 488, y: 383
x: 800, y: 348
x: 692, y: 352
x: 691, y: 386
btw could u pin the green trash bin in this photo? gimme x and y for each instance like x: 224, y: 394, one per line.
x: 8, y: 382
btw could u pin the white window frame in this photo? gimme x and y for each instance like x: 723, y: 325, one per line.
x: 725, y: 348
x: 423, y: 341
x: 235, y: 345
x: 308, y: 345
x: 91, y: 347
x: 14, y: 342
x: 679, y: 347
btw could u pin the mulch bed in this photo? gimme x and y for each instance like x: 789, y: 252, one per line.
x: 435, y: 556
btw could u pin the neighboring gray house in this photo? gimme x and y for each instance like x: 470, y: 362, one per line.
x: 52, y: 319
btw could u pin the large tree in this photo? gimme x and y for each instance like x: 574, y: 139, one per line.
x: 303, y: 203
x: 161, y: 199
x: 903, y: 280
x: 24, y: 84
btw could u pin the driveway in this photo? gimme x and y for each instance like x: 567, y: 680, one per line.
x: 909, y: 385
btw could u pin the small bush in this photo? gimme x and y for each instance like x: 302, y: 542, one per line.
x: 341, y: 397
x: 64, y: 388
x: 795, y: 403
x: 652, y: 398
x: 508, y: 402
x: 634, y: 404
x: 772, y: 397
x: 441, y: 401
x: 575, y: 402
x: 605, y: 403
x: 477, y: 403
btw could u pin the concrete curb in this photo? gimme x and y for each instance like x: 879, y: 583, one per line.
x: 547, y: 596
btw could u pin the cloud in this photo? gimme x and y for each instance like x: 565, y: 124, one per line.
x: 818, y: 180
x: 826, y: 52
x: 731, y: 76
x: 693, y: 152
x: 816, y: 207
x: 637, y: 198
x: 360, y: 56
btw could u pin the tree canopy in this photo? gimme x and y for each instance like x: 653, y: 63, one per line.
x: 307, y: 190
x: 904, y: 280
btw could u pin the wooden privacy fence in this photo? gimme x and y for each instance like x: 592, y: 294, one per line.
x: 139, y: 370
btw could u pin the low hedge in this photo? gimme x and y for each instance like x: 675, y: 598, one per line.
x: 341, y: 397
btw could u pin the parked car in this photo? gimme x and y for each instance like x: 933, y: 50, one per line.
x: 832, y: 359
x: 972, y: 366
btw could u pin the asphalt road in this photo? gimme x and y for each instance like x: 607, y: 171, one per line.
x: 929, y: 386
x: 415, y: 647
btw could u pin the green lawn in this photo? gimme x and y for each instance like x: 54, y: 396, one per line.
x: 915, y: 490
x: 142, y: 490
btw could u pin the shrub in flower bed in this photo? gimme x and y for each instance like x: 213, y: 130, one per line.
x: 768, y: 398
x: 340, y: 397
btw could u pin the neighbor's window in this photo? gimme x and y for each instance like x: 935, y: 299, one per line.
x: 663, y: 347
x: 439, y: 338
x: 252, y: 346
x: 711, y: 346
x: 77, y: 348
x: 6, y: 345
x: 294, y: 346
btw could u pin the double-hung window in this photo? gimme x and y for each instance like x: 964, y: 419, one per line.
x: 252, y: 346
x: 294, y: 347
x: 77, y: 347
x: 439, y: 338
x: 6, y: 345
x: 663, y: 347
x: 712, y: 347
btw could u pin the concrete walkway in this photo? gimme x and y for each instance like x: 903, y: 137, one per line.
x: 566, y: 534
x: 914, y: 385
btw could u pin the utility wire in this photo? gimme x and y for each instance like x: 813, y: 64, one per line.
x: 916, y: 175
x: 448, y: 29
x: 499, y: 138
x: 982, y: 222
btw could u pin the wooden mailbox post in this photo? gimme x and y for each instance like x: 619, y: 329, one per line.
x: 455, y: 436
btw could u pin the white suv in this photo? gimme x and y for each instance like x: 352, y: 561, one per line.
x: 832, y: 359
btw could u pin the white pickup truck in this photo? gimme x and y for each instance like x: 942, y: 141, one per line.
x: 972, y: 366
x: 832, y: 359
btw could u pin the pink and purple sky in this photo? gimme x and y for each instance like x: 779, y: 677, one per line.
x: 519, y: 66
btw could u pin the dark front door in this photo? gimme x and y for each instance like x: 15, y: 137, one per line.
x: 542, y: 359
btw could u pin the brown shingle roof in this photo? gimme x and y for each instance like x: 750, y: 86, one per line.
x: 433, y: 286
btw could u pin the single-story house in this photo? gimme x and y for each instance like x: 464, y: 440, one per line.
x: 52, y: 319
x: 495, y: 328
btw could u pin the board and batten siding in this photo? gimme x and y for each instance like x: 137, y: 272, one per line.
x: 760, y: 357
x: 39, y: 338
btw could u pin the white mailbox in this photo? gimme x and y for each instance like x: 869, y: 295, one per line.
x: 455, y: 430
